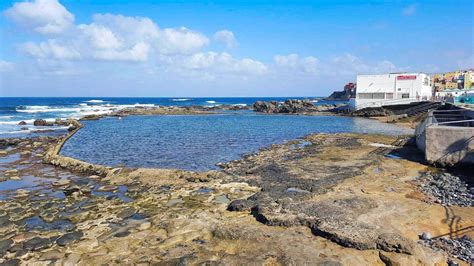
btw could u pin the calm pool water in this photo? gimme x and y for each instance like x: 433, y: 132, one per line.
x: 198, y: 142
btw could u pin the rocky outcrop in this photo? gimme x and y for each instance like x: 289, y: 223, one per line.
x: 42, y: 123
x: 344, y: 95
x: 290, y: 107
x: 372, y: 111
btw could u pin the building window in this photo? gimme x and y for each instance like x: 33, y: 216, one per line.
x: 405, y: 95
x: 371, y: 95
x: 388, y: 95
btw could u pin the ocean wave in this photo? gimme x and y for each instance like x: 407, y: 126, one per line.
x: 210, y: 101
x: 95, y: 101
x: 27, y: 121
x: 181, y: 100
x: 83, y: 104
x: 240, y: 104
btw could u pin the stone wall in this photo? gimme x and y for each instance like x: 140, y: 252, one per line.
x: 54, y: 157
x: 448, y: 145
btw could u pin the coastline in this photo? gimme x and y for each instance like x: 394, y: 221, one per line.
x: 202, y: 211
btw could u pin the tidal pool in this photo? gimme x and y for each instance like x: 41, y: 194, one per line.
x: 198, y: 142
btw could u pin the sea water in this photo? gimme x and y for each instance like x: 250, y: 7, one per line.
x: 198, y: 142
x: 13, y: 110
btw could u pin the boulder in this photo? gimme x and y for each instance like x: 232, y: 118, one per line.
x: 42, y: 123
x: 22, y: 123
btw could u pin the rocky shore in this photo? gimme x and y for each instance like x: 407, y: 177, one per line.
x: 295, y: 107
x: 326, y: 199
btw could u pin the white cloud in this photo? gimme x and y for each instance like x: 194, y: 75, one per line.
x: 6, y: 66
x: 222, y: 63
x: 348, y: 64
x: 116, y: 37
x: 139, y: 52
x: 227, y: 37
x: 180, y: 41
x: 100, y: 37
x: 42, y: 16
x: 50, y: 49
x: 308, y: 64
x: 410, y: 10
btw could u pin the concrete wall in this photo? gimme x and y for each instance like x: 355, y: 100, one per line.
x: 448, y: 145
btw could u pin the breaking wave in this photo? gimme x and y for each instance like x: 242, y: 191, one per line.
x: 181, y: 100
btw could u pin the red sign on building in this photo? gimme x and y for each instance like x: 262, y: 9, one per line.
x: 406, y: 77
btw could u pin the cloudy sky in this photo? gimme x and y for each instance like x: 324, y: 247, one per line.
x: 223, y: 48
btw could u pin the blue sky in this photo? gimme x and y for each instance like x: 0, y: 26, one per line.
x: 223, y: 48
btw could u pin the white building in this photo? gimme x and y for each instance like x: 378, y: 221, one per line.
x: 454, y: 93
x: 391, y: 89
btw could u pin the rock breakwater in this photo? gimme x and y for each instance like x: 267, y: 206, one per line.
x: 293, y: 107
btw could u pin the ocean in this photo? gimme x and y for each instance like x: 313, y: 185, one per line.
x: 14, y: 110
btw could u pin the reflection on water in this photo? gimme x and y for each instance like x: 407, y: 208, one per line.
x: 198, y: 142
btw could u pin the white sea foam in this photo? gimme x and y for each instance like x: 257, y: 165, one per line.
x: 28, y: 121
x: 6, y: 116
x: 83, y: 104
x: 143, y: 105
x: 181, y: 100
x: 240, y: 104
x: 210, y: 101
x: 94, y: 101
x: 315, y: 101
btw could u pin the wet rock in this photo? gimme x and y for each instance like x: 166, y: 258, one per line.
x: 37, y: 243
x: 62, y: 182
x: 12, y: 262
x: 21, y: 193
x: 144, y: 226
x: 174, y: 202
x: 24, y: 128
x: 241, y: 205
x: 22, y: 123
x: 5, y: 220
x: 122, y: 234
x: 91, y: 117
x: 222, y: 199
x: 16, y: 178
x: 126, y: 213
x: 3, y: 153
x: 70, y: 190
x: 116, y: 171
x: 11, y: 172
x: 107, y: 188
x: 68, y: 238
x: 52, y: 255
x: 42, y: 123
x: 5, y: 246
x: 25, y: 153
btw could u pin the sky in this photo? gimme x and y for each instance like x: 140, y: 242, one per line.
x: 223, y: 48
